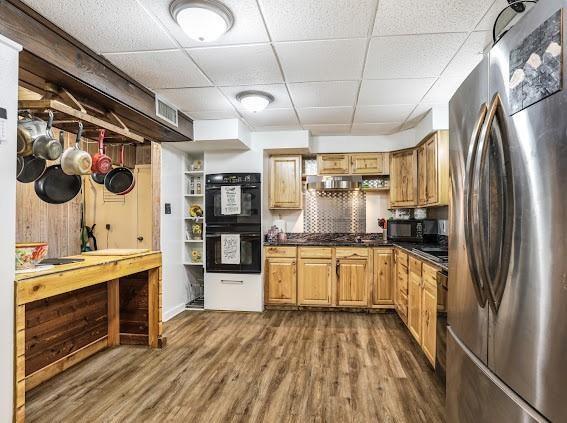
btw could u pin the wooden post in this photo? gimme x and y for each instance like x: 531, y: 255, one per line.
x: 113, y: 312
x: 153, y: 307
x: 20, y: 365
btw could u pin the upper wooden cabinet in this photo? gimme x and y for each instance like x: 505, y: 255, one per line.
x: 370, y: 164
x: 403, y: 178
x: 333, y: 164
x: 285, y: 182
x: 383, y: 287
x: 433, y: 163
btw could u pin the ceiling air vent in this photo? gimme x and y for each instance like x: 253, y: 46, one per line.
x: 166, y: 111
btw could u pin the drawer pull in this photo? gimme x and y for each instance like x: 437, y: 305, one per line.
x: 231, y: 282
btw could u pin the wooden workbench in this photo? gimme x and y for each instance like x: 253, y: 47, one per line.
x: 65, y: 314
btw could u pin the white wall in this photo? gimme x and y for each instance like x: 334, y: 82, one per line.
x: 362, y: 143
x: 9, y: 101
x: 175, y: 279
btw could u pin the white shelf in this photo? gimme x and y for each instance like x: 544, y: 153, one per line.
x: 193, y: 240
x: 193, y: 264
x: 196, y: 219
x: 194, y: 172
x: 194, y: 195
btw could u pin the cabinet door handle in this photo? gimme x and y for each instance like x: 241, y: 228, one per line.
x: 338, y: 269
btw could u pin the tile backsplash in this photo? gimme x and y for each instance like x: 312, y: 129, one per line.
x: 334, y: 211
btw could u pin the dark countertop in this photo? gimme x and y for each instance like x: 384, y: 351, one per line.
x: 349, y: 240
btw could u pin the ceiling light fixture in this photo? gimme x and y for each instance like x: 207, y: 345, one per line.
x: 254, y: 101
x: 202, y: 20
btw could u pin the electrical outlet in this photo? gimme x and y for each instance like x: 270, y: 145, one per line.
x: 108, y: 226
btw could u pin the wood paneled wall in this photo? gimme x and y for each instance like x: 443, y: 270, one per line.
x: 60, y: 225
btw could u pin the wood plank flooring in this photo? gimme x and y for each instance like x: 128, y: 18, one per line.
x: 279, y: 366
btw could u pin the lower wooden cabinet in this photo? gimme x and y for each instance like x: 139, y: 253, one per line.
x: 352, y: 282
x: 401, y: 285
x: 429, y: 320
x: 383, y: 286
x: 414, y: 306
x: 315, y: 282
x: 281, y: 281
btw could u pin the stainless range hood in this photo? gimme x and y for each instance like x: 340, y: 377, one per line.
x: 333, y: 183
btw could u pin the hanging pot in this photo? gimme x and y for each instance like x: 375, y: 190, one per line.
x: 102, y: 164
x: 33, y: 168
x: 45, y: 146
x: 29, y: 129
x: 55, y: 186
x: 19, y: 165
x: 120, y: 180
x: 75, y: 161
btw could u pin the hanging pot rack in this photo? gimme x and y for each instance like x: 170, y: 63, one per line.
x: 68, y: 110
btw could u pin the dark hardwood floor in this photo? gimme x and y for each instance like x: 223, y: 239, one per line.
x: 239, y: 367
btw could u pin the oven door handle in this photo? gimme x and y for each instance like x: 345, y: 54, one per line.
x: 218, y: 187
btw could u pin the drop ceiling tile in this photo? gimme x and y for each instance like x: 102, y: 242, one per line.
x: 330, y: 60
x: 197, y: 99
x: 213, y: 115
x: 238, y: 65
x: 487, y: 22
x: 292, y: 20
x: 443, y: 90
x: 160, y: 69
x: 411, y: 56
x: 334, y: 129
x: 325, y: 115
x: 375, y: 128
x: 469, y: 55
x: 393, y: 91
x: 397, y: 17
x: 248, y: 25
x: 104, y: 26
x: 417, y: 115
x: 272, y: 118
x: 324, y: 94
x: 383, y: 114
x: 278, y: 91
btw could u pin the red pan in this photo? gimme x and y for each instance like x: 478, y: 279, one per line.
x: 102, y: 164
x: 120, y: 180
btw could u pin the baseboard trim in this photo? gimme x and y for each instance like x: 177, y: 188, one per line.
x: 172, y: 312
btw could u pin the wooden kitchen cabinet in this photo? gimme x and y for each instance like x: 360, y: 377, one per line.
x: 333, y: 164
x: 401, y: 297
x: 281, y: 281
x: 352, y: 282
x: 429, y: 320
x: 433, y: 164
x: 315, y: 282
x: 383, y: 286
x: 414, y: 298
x: 369, y: 164
x: 285, y: 188
x: 403, y: 178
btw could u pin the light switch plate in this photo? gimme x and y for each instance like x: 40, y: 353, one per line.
x: 3, y: 124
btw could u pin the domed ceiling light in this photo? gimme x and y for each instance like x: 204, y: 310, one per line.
x: 254, y: 101
x: 202, y: 20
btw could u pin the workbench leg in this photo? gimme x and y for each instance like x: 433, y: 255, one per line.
x: 20, y: 365
x: 113, y: 312
x: 153, y: 307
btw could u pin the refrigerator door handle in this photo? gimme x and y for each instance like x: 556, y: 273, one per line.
x: 470, y: 236
x: 495, y: 280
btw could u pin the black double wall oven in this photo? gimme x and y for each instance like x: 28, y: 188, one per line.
x: 240, y: 220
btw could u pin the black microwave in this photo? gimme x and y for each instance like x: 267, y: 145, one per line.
x: 412, y: 230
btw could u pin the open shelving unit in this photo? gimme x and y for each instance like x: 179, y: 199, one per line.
x: 194, y: 195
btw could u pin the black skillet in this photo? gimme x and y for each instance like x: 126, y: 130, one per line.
x: 33, y: 168
x: 55, y: 186
x: 120, y: 180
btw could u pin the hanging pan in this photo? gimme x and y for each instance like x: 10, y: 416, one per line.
x: 120, y: 180
x: 102, y: 164
x: 75, y: 161
x: 45, y: 146
x: 57, y: 187
x: 33, y: 168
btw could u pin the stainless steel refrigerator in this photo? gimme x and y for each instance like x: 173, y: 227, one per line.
x: 507, y: 308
